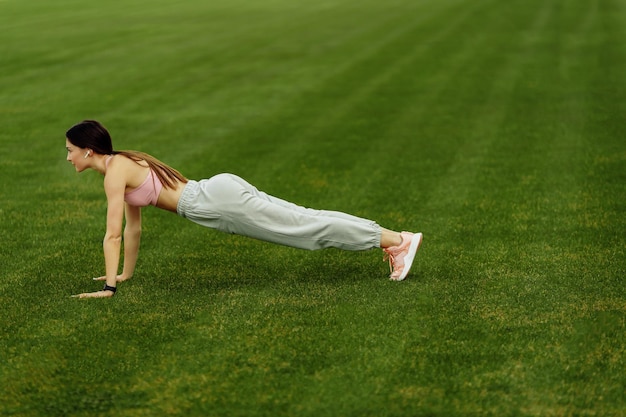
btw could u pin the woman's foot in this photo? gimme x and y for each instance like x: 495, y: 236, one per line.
x: 401, y: 256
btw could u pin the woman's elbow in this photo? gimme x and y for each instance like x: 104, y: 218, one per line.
x: 115, y: 238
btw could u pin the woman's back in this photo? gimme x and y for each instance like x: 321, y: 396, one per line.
x: 143, y: 187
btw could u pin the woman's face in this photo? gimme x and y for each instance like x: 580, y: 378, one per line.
x: 76, y: 156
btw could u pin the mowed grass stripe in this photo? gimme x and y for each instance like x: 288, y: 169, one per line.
x: 443, y: 93
x: 285, y: 132
x: 522, y: 264
x: 350, y: 113
x: 478, y: 116
x: 460, y: 125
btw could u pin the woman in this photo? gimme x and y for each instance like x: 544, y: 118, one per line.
x: 224, y: 202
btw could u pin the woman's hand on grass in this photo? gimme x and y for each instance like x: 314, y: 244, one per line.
x: 101, y: 293
x: 96, y: 294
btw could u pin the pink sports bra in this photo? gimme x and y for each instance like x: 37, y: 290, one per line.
x: 147, y: 193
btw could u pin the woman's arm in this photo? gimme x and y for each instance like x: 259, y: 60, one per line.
x: 114, y: 187
x: 132, y: 239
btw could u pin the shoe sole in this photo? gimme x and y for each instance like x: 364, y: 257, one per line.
x: 408, y: 259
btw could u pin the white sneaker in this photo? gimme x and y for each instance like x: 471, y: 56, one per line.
x: 401, y: 257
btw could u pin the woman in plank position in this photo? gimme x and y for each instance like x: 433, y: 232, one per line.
x: 224, y: 202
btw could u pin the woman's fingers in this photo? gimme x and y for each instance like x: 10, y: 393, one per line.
x: 96, y: 294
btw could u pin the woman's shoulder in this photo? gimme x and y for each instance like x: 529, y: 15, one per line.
x: 131, y: 171
x: 129, y: 158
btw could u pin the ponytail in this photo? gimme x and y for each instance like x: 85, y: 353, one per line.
x: 165, y: 173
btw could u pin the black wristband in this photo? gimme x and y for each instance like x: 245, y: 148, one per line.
x: 109, y: 288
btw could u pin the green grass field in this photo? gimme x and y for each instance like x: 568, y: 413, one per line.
x: 496, y: 128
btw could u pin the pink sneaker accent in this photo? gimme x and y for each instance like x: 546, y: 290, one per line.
x: 401, y: 257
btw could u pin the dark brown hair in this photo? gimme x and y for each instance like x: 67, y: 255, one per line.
x: 92, y: 135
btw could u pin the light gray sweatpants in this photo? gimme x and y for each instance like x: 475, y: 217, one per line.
x: 228, y: 203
